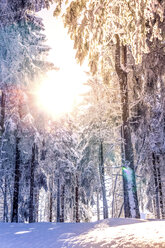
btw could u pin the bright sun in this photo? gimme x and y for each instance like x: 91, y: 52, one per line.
x: 59, y: 92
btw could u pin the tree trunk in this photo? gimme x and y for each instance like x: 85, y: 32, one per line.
x: 51, y: 207
x: 121, y: 209
x: 51, y: 180
x: 36, y: 200
x: 102, y: 181
x: 160, y: 189
x: 31, y: 202
x: 77, y: 200
x: 14, y: 217
x: 131, y: 206
x: 98, y: 206
x: 5, y: 205
x: 58, y: 200
x: 160, y: 194
x: 157, y: 207
x: 2, y: 117
x: 62, y: 203
x: 2, y: 121
x: 113, y: 197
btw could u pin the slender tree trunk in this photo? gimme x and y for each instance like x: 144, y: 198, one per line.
x: 14, y: 217
x: 2, y: 121
x: 31, y: 202
x: 77, y: 200
x: 98, y: 206
x: 121, y: 209
x: 131, y: 206
x: 58, y: 200
x: 157, y: 206
x: 51, y: 207
x: 113, y: 197
x: 5, y: 205
x: 160, y: 189
x: 62, y: 203
x: 2, y: 117
x: 36, y: 199
x: 102, y: 181
x: 161, y: 194
x: 51, y: 180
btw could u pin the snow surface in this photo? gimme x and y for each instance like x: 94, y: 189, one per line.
x: 113, y: 233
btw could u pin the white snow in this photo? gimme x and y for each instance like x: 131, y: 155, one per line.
x: 112, y: 233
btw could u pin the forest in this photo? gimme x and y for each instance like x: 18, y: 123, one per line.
x: 106, y: 158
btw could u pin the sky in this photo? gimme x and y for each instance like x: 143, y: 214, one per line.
x: 60, y: 90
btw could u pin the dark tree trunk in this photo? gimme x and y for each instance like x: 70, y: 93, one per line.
x: 5, y: 205
x: 51, y: 207
x: 36, y: 199
x: 98, y: 206
x: 62, y: 203
x: 77, y: 200
x: 51, y: 180
x: 2, y: 117
x: 157, y: 207
x: 102, y: 181
x: 2, y: 128
x: 58, y: 200
x: 161, y: 194
x: 160, y: 189
x: 31, y: 202
x: 14, y: 217
x: 131, y: 206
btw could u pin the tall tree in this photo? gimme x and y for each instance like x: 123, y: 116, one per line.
x: 14, y: 217
x: 131, y: 207
x: 22, y: 60
x: 88, y: 24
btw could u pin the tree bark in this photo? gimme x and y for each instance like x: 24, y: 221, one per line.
x: 160, y: 194
x: 157, y: 207
x: 5, y: 205
x: 98, y: 206
x: 131, y: 206
x: 31, y: 202
x: 58, y: 200
x: 113, y: 197
x: 2, y: 119
x: 14, y: 217
x: 62, y: 203
x: 77, y: 200
x: 102, y: 181
x: 51, y: 207
x: 36, y: 200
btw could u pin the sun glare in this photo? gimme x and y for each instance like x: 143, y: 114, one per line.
x: 59, y: 92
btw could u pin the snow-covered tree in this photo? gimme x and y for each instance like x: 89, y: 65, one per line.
x: 22, y: 53
x: 131, y: 22
x: 100, y: 128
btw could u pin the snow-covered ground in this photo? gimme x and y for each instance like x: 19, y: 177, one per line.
x: 113, y: 233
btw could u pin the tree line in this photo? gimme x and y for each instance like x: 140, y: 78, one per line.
x: 111, y: 149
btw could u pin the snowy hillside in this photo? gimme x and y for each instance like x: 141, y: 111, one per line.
x: 114, y: 233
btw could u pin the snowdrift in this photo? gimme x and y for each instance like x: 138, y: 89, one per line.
x: 113, y: 233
